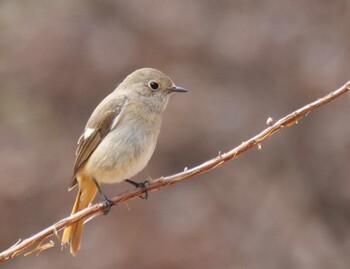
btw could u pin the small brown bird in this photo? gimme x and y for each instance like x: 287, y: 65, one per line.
x: 118, y: 140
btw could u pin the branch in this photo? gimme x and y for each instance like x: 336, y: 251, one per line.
x: 97, y: 209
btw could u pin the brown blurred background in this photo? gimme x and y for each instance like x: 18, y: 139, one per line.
x: 286, y: 206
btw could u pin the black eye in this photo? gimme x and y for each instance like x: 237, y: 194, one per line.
x: 154, y: 85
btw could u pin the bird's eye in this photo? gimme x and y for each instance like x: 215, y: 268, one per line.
x: 154, y: 85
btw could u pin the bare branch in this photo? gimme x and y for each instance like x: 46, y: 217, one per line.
x: 97, y: 209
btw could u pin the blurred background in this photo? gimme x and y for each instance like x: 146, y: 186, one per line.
x: 285, y: 206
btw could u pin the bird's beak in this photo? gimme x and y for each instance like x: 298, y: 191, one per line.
x: 178, y: 89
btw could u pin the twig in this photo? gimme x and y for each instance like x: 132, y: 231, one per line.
x: 97, y: 209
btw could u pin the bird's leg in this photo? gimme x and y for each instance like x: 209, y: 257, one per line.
x: 106, y: 202
x: 142, y: 185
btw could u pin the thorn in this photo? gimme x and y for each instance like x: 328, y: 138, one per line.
x: 40, y: 248
x: 55, y: 232
x: 269, y: 121
x: 127, y: 206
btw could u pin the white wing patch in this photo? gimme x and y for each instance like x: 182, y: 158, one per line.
x: 117, y: 118
x: 88, y: 132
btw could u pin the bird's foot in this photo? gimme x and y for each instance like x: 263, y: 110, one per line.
x: 107, y: 203
x: 142, y: 185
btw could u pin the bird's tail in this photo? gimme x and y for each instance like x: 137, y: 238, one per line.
x: 73, y: 233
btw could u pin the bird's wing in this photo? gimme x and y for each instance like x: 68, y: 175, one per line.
x: 103, y: 119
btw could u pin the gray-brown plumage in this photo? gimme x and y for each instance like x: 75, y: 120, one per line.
x: 119, y: 138
x: 100, y: 122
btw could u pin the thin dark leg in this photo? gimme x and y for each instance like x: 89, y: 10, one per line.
x: 142, y: 185
x: 106, y: 202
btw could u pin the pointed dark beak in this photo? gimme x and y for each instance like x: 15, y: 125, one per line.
x: 178, y: 89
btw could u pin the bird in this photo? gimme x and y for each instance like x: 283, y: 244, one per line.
x: 118, y: 140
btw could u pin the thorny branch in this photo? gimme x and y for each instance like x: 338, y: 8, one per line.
x: 97, y: 209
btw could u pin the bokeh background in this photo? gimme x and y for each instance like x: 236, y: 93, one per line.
x: 285, y: 206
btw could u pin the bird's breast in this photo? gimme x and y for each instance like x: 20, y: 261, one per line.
x: 125, y: 150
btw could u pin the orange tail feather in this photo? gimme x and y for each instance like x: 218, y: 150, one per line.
x: 73, y: 233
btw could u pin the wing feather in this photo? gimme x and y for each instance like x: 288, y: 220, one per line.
x: 105, y: 116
